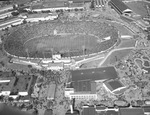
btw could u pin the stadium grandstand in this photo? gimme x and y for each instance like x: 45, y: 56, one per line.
x: 10, y: 22
x: 69, y: 39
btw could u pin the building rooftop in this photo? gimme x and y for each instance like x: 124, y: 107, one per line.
x: 79, y: 1
x: 146, y: 109
x: 88, y: 111
x: 7, y: 86
x: 51, y: 91
x: 114, y: 85
x: 112, y: 112
x: 94, y: 74
x: 6, y: 8
x: 84, y: 86
x: 52, y: 4
x: 37, y: 15
x: 10, y: 20
x: 131, y: 111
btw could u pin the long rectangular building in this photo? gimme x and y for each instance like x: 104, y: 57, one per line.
x: 94, y: 74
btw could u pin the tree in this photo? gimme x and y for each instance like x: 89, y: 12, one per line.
x: 15, y: 13
x: 10, y: 99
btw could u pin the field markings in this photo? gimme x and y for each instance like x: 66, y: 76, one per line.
x: 112, y: 52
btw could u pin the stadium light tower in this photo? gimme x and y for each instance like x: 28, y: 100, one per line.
x: 83, y: 49
x: 27, y: 51
x: 52, y: 51
x: 43, y: 54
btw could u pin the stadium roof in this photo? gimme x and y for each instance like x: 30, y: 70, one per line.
x: 119, y: 6
x: 103, y: 73
x: 131, y: 111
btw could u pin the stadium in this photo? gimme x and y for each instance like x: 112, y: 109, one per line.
x: 69, y: 39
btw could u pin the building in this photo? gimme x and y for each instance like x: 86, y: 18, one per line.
x: 22, y: 85
x: 100, y: 108
x: 100, y: 3
x: 94, y: 74
x: 142, y: 24
x: 120, y: 7
x: 6, y: 85
x: 6, y: 8
x: 48, y: 112
x: 6, y: 14
x: 131, y: 111
x: 41, y: 17
x: 11, y: 22
x: 88, y: 111
x: 50, y: 6
x: 146, y: 110
x: 82, y: 85
x: 51, y: 91
x: 114, y: 86
x: 79, y: 1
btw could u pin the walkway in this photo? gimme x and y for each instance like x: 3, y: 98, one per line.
x: 112, y: 52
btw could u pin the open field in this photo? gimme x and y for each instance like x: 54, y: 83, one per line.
x: 126, y: 43
x: 68, y: 39
x: 122, y: 29
x: 138, y: 7
x: 116, y: 56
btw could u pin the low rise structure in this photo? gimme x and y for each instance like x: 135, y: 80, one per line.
x: 51, y: 91
x: 6, y: 85
x: 11, y: 22
x: 6, y: 14
x: 114, y: 86
x: 82, y: 85
x: 131, y: 111
x: 146, y: 110
x: 6, y: 8
x: 41, y: 17
x: 22, y: 86
x: 142, y: 24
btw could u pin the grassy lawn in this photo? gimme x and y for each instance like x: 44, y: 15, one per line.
x: 127, y: 43
x: 122, y: 30
x: 116, y: 56
x: 138, y: 7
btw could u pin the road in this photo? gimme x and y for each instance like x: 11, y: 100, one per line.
x: 112, y: 52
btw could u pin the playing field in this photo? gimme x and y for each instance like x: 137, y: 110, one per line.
x: 68, y: 39
x: 62, y: 43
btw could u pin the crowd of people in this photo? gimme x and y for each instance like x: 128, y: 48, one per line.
x: 83, y: 32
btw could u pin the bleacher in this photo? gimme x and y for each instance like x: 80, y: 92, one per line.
x: 65, y: 45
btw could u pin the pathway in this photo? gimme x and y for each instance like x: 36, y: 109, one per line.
x: 112, y: 52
